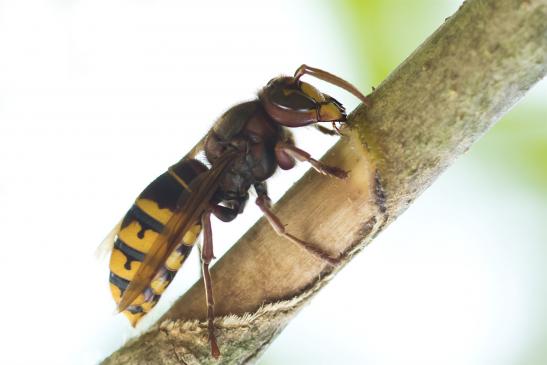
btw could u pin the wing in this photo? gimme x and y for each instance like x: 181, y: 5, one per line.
x: 196, y: 149
x: 184, y: 217
x: 108, y: 243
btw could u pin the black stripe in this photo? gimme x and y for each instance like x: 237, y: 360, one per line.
x: 184, y: 249
x: 165, y: 191
x: 135, y: 309
x: 168, y: 275
x: 145, y: 220
x: 188, y: 170
x: 128, y: 251
x: 119, y: 282
x: 150, y: 297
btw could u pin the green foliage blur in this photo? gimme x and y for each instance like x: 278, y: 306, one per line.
x: 385, y: 32
x: 382, y: 33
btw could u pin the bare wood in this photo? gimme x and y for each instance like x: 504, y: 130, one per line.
x: 429, y: 111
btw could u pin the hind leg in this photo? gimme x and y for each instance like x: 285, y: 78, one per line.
x: 225, y: 214
x: 206, y: 257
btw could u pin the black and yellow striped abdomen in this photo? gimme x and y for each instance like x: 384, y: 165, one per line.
x: 139, y: 229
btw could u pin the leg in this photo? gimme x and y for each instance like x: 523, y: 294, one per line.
x: 264, y: 203
x: 329, y: 132
x: 233, y: 207
x: 200, y: 249
x: 225, y: 214
x: 206, y: 257
x: 328, y: 77
x: 282, y: 150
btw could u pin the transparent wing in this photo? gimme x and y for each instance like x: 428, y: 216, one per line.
x: 105, y: 248
x: 185, y: 216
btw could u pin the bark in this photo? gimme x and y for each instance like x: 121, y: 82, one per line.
x: 430, y: 110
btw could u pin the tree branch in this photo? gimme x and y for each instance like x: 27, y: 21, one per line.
x: 426, y: 113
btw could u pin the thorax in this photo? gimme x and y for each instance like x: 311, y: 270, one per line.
x: 247, y: 129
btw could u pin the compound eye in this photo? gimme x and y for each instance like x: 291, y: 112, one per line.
x: 287, y: 103
x: 291, y: 99
x: 285, y: 93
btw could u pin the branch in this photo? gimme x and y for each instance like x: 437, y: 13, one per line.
x: 430, y: 110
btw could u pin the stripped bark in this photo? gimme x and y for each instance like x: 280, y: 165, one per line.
x: 429, y: 111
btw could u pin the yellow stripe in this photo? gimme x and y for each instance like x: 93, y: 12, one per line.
x: 147, y: 306
x: 174, y: 261
x: 133, y: 318
x: 116, y: 293
x: 158, y: 285
x: 179, y: 179
x: 117, y: 265
x: 152, y: 208
x: 129, y: 235
x: 191, y: 235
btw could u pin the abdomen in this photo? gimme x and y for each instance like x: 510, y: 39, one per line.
x: 141, y: 226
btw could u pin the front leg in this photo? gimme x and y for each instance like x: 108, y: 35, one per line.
x: 325, y: 130
x: 286, y: 154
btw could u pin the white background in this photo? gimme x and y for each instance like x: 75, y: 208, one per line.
x: 99, y: 97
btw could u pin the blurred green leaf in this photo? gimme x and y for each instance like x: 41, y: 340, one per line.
x: 517, y: 145
x: 384, y: 33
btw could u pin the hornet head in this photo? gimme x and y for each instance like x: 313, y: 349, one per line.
x: 295, y: 103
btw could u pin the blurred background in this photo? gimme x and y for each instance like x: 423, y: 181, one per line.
x: 98, y: 97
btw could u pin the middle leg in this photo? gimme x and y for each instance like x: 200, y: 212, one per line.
x: 264, y: 203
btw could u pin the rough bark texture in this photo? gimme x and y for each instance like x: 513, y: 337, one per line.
x: 429, y: 111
